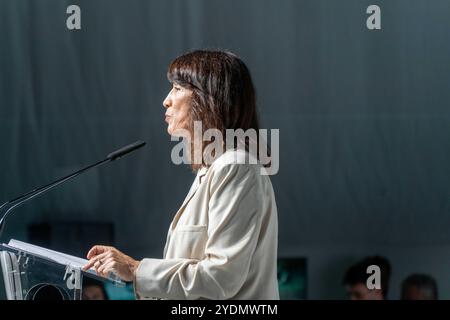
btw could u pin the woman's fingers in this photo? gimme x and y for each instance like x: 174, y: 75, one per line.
x: 89, y: 265
x: 96, y: 250
x: 94, y: 259
x: 108, y: 259
x: 107, y: 267
x: 102, y: 264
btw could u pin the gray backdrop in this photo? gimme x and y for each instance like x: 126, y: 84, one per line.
x: 363, y: 118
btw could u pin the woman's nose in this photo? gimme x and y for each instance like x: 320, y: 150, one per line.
x: 167, y: 102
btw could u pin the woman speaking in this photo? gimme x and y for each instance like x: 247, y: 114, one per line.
x: 222, y: 242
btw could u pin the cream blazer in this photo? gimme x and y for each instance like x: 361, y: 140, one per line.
x: 222, y: 242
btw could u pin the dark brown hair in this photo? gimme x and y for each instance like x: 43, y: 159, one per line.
x: 223, y: 92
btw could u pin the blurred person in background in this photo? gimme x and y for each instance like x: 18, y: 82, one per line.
x: 355, y: 279
x: 419, y: 287
x: 93, y: 290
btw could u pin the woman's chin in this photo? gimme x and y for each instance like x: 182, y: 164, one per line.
x: 180, y: 133
x: 172, y: 132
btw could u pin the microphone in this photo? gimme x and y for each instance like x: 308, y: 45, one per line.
x: 14, y: 203
x: 123, y: 151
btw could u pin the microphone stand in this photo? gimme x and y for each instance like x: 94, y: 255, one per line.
x: 14, y: 203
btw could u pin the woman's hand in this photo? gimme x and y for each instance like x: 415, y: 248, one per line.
x: 108, y: 259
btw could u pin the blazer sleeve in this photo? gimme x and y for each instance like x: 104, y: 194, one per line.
x: 233, y: 230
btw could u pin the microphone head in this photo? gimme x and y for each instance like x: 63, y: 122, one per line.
x: 125, y: 150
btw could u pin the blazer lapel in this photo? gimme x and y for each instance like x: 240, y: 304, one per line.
x: 194, y: 186
x: 189, y: 196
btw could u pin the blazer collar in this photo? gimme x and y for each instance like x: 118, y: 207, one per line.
x: 198, y: 179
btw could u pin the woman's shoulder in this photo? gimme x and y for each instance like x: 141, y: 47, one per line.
x: 235, y: 157
x: 234, y: 164
x: 237, y: 169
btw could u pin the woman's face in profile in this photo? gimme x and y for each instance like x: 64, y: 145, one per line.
x: 178, y: 104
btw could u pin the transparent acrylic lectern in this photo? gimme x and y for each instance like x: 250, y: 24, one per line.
x: 35, y: 275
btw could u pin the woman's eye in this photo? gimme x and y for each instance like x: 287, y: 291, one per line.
x: 177, y: 88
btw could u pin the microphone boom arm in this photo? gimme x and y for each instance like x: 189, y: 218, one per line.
x: 8, y: 206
